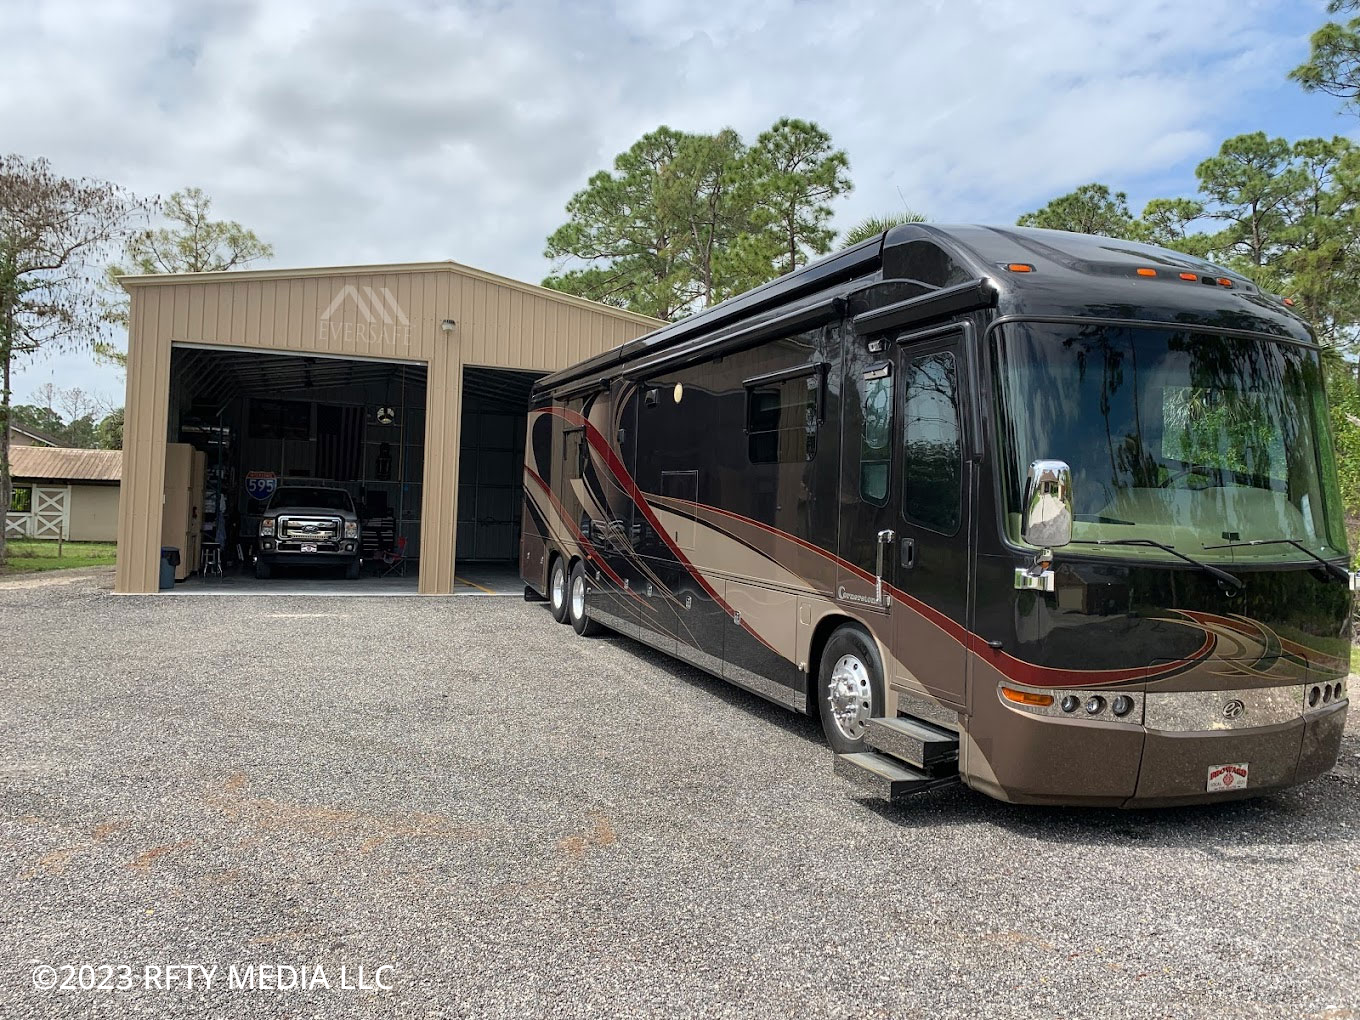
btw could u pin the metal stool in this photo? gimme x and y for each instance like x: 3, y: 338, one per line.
x: 212, y: 560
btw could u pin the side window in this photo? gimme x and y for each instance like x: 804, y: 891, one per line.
x: 21, y: 499
x: 781, y: 419
x: 875, y: 448
x: 932, y: 484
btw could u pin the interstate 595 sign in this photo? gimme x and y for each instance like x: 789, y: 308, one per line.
x: 261, y: 484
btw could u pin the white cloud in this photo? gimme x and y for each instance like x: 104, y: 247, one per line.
x: 350, y: 133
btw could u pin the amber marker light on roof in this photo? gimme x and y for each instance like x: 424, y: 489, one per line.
x: 1189, y: 276
x: 1289, y: 301
x: 1020, y: 267
x: 1223, y: 281
x: 1027, y: 697
x: 1144, y: 271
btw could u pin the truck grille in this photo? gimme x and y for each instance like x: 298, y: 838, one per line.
x: 310, y: 529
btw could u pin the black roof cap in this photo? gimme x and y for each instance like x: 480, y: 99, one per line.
x: 940, y: 256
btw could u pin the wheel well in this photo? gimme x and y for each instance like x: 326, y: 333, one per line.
x: 821, y: 634
x: 555, y: 554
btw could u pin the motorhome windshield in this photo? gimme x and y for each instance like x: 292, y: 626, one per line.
x: 1194, y: 439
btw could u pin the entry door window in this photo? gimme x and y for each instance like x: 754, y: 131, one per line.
x: 876, y: 405
x: 932, y: 483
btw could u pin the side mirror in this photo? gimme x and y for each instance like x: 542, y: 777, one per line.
x: 1046, y: 519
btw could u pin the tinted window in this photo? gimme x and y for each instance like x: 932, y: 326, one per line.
x: 1194, y: 439
x: 781, y: 420
x: 296, y: 495
x: 876, y: 404
x: 933, y: 462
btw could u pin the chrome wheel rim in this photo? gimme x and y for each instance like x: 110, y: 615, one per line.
x: 559, y: 586
x: 578, y: 597
x: 851, y: 696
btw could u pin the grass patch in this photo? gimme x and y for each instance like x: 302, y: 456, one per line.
x: 25, y: 555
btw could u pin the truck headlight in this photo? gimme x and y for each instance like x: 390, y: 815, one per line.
x: 267, y: 526
x: 351, y: 529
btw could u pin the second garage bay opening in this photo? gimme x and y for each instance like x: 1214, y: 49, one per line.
x: 491, y: 479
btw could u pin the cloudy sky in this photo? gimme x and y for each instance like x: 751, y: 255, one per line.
x: 348, y: 133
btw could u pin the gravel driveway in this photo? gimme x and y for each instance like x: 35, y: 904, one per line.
x: 514, y: 821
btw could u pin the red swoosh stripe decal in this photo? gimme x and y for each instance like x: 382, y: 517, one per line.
x: 601, y: 446
x: 591, y: 551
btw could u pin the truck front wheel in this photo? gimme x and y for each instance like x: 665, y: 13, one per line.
x: 262, y: 570
x: 352, y: 571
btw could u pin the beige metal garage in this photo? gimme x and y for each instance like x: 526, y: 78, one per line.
x: 364, y: 327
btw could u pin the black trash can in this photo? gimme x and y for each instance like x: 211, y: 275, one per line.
x: 169, y: 561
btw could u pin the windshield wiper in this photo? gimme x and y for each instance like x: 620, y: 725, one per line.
x: 1208, y: 568
x: 1335, y: 569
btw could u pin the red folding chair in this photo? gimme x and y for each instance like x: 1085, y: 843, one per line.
x: 394, y: 559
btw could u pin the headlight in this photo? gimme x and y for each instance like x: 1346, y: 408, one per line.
x: 351, y: 529
x: 267, y: 526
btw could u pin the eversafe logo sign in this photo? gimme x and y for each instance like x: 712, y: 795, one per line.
x: 378, y: 318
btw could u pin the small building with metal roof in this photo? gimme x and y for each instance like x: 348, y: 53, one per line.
x: 64, y: 493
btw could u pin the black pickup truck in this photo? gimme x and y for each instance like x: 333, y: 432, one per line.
x: 309, y: 525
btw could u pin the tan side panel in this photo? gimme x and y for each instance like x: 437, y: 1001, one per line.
x: 770, y: 613
x: 439, y: 501
x: 94, y: 513
x: 384, y: 314
x: 504, y: 327
x: 714, y: 550
x: 139, y: 511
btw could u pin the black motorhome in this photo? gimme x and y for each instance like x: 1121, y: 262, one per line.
x: 1052, y: 514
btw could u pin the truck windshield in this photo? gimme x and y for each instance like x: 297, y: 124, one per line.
x: 296, y: 495
x: 1194, y: 439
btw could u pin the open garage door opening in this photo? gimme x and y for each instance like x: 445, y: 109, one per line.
x: 340, y: 441
x: 491, y: 480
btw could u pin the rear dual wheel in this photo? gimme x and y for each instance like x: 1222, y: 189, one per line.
x: 557, y: 589
x: 576, y: 603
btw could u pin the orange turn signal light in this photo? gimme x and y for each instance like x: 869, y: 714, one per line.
x: 1189, y: 276
x: 1026, y: 697
x: 1223, y: 281
x: 1289, y: 301
x: 1144, y: 271
x: 1020, y: 267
